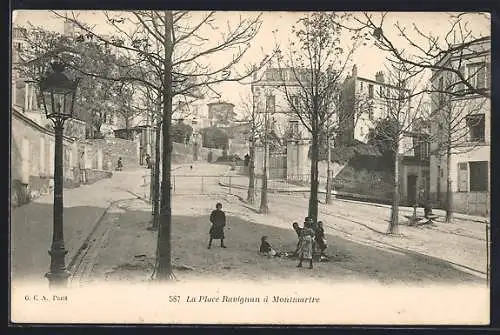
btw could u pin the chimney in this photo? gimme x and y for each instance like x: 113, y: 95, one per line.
x: 379, y: 77
x: 69, y: 28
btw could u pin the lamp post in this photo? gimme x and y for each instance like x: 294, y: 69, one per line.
x: 58, y: 96
x: 194, y: 123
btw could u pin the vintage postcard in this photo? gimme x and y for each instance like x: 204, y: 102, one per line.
x: 225, y: 167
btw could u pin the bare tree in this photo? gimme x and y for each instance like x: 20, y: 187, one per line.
x: 348, y: 109
x: 311, y: 74
x: 423, y: 50
x: 402, y: 108
x: 448, y: 55
x: 255, y: 122
x: 180, y: 49
x: 454, y: 121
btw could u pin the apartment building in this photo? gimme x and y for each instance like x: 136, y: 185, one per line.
x: 364, y: 102
x: 270, y: 96
x: 462, y: 119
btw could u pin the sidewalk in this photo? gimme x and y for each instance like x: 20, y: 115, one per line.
x: 31, y: 224
x: 275, y: 186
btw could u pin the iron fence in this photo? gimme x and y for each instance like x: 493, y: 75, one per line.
x: 186, y: 185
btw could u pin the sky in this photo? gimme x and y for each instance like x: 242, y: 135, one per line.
x: 276, y: 26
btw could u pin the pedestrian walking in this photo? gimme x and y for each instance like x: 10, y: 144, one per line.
x: 306, y: 243
x: 81, y: 167
x: 218, y: 220
x: 148, y: 161
x: 119, y: 164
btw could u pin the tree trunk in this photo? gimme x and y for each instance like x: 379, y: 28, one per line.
x: 264, y: 208
x: 251, y: 174
x: 328, y: 198
x: 313, y: 195
x: 449, y: 193
x: 156, y: 182
x: 394, y: 221
x: 164, y: 269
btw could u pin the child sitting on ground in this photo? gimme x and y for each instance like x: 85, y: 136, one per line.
x: 266, y: 249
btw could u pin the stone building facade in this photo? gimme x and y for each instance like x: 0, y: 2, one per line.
x: 468, y: 116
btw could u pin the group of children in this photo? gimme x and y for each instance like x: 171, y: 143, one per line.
x: 310, y: 235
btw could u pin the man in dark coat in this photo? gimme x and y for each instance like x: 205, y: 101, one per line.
x: 218, y: 220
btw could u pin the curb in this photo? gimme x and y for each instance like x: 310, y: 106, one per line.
x: 84, y: 245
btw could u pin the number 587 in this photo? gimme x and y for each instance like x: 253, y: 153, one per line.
x: 174, y: 298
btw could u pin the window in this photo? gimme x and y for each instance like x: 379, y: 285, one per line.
x: 295, y: 100
x: 460, y: 87
x: 422, y: 149
x: 381, y: 92
x: 270, y: 104
x: 441, y: 91
x: 361, y: 86
x: 294, y: 127
x: 272, y: 74
x: 462, y: 177
x: 477, y: 75
x: 478, y: 176
x: 476, y: 126
x: 370, y: 90
x: 370, y: 112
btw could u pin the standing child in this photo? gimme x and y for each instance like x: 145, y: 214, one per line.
x: 320, y: 238
x: 306, y: 243
x: 218, y: 220
x: 298, y: 230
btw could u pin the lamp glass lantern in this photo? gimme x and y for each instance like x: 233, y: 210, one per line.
x: 58, y: 93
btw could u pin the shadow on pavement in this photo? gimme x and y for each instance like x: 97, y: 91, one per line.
x: 31, y: 236
x: 348, y: 259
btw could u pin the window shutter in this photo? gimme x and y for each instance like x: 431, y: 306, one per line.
x: 461, y: 86
x: 481, y: 76
x: 488, y: 76
x: 462, y: 177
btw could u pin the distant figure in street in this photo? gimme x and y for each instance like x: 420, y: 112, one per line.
x: 119, y: 164
x: 320, y: 239
x: 425, y: 203
x: 81, y: 165
x: 148, y: 161
x: 218, y: 220
x: 306, y: 243
x: 246, y: 160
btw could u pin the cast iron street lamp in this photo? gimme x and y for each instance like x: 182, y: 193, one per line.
x: 58, y: 96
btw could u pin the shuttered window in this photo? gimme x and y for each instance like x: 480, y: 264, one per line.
x: 478, y: 176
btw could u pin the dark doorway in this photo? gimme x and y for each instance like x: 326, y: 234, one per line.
x: 411, y: 187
